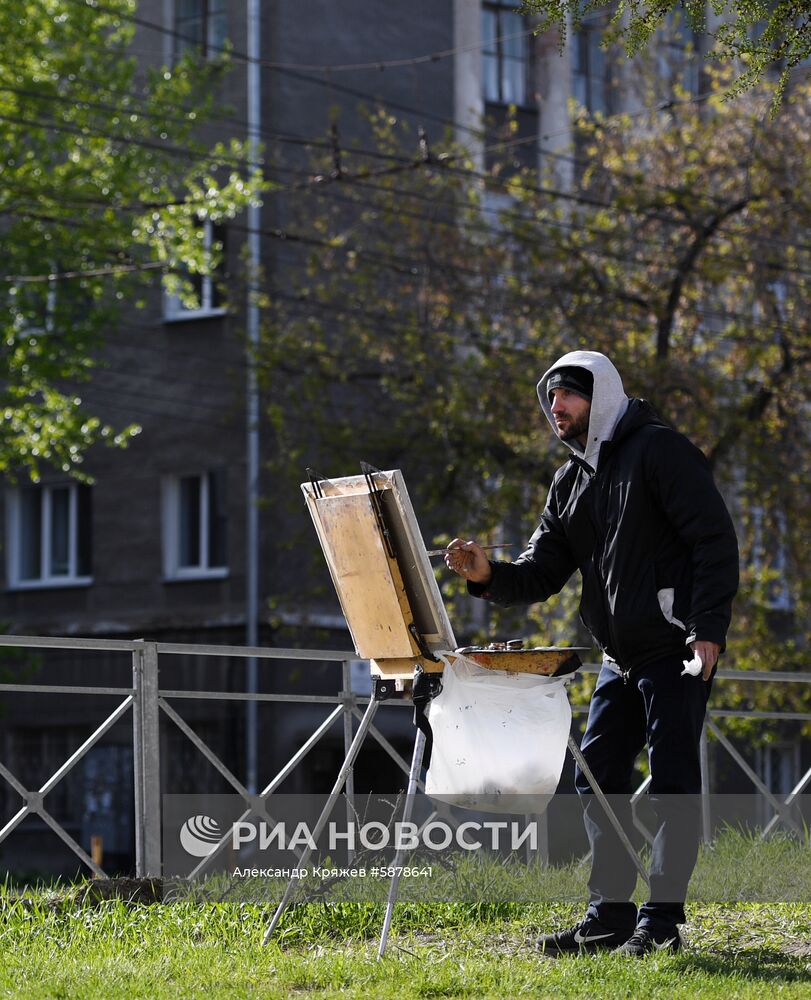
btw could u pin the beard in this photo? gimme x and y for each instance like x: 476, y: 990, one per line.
x: 574, y: 428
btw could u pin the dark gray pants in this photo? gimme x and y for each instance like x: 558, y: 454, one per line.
x: 658, y: 707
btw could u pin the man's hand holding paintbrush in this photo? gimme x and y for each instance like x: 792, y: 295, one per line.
x: 469, y: 560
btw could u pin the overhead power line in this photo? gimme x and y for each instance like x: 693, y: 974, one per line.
x: 477, y: 132
x: 86, y: 130
x: 446, y: 161
x: 376, y: 64
x: 96, y: 272
x: 422, y: 113
x: 405, y: 164
x: 397, y: 262
x: 321, y: 142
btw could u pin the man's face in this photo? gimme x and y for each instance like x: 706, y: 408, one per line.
x: 571, y: 414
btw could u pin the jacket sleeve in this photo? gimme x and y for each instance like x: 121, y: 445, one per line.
x: 681, y: 480
x: 540, y: 571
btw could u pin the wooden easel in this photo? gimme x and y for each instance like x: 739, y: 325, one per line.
x: 398, y: 621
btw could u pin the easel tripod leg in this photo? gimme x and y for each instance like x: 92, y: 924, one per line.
x: 577, y: 753
x: 354, y: 749
x: 411, y: 790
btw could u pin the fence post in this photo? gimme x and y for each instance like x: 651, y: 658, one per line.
x: 349, y: 788
x: 146, y: 754
x: 704, y: 757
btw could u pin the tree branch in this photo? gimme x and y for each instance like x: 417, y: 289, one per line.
x: 683, y: 270
x: 753, y: 409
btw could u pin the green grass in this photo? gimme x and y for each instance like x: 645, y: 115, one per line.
x: 739, y: 866
x: 55, y: 946
x: 64, y: 942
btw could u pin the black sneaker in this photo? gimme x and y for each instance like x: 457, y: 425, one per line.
x: 645, y: 942
x: 587, y: 936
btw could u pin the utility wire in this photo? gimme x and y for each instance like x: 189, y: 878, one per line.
x: 285, y: 138
x: 241, y: 57
x: 166, y: 30
x: 337, y: 308
x: 86, y: 131
x: 163, y: 116
x: 527, y: 221
x: 377, y: 64
x: 397, y: 263
x: 308, y: 304
x: 406, y: 164
x: 346, y: 178
x: 96, y: 272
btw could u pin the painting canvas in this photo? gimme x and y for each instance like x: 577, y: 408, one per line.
x: 380, y: 568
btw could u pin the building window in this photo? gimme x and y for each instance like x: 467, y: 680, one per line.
x: 206, y: 286
x: 49, y: 536
x: 200, y: 26
x: 590, y: 82
x: 194, y: 526
x: 32, y: 307
x: 505, y: 55
x: 676, y: 53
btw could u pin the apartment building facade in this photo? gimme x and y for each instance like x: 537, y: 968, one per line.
x: 157, y: 546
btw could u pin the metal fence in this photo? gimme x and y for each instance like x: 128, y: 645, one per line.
x: 147, y: 701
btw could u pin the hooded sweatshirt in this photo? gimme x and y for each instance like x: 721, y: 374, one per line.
x: 608, y: 401
x: 637, y: 513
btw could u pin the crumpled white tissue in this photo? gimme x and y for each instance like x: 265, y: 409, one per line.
x: 694, y: 666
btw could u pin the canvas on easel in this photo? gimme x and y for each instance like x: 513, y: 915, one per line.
x: 379, y: 565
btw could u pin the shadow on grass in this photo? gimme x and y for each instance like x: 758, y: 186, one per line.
x: 765, y: 964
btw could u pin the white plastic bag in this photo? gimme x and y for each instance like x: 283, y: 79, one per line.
x: 498, y: 738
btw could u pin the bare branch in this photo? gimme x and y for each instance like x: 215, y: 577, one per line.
x: 684, y: 268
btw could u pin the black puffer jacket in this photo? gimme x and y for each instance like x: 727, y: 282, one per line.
x: 650, y: 535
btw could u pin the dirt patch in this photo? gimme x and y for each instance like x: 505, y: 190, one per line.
x: 139, y: 891
x: 133, y: 891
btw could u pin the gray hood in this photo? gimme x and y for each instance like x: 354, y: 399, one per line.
x: 608, y: 402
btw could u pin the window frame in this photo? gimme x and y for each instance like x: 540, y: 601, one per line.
x: 46, y: 579
x: 173, y: 309
x: 47, y: 327
x: 209, y: 47
x: 173, y: 571
x: 499, y: 11
x: 588, y: 39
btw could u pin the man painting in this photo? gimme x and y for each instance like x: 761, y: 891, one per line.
x: 636, y: 511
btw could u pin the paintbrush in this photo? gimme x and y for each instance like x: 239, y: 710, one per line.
x: 497, y: 545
